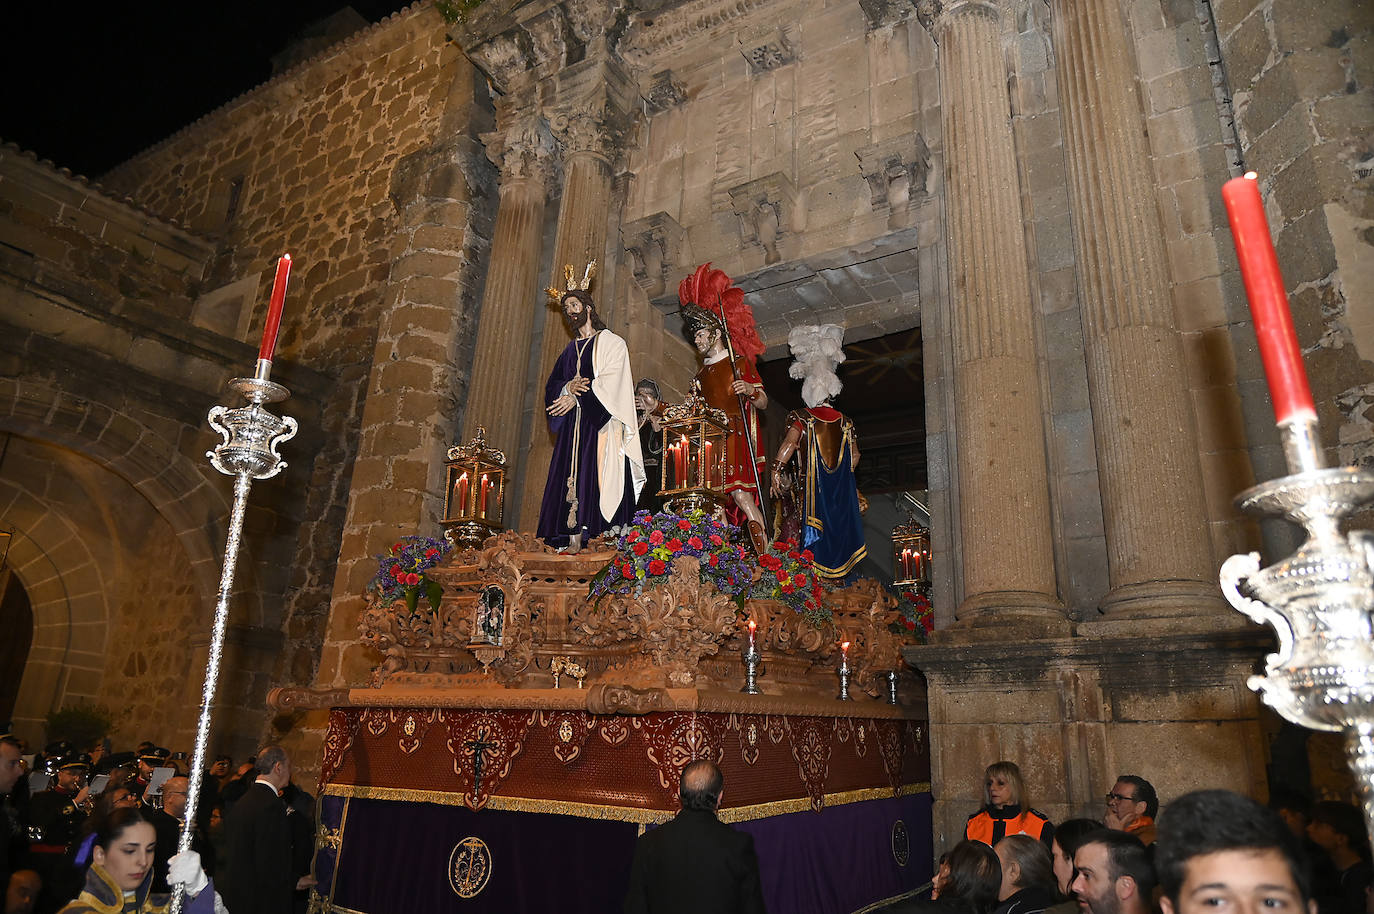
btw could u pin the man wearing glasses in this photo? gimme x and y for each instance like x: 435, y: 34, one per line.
x: 1131, y: 807
x: 167, y: 823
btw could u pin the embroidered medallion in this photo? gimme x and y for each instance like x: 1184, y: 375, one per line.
x: 568, y: 731
x: 901, y: 843
x: 614, y: 731
x: 469, y: 867
x: 861, y: 740
x: 811, y: 745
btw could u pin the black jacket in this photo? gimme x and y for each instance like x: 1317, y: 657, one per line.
x: 257, y: 877
x: 693, y: 864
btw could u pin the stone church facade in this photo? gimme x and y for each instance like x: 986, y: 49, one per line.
x: 1032, y: 185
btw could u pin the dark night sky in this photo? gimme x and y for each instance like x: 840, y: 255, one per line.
x: 88, y: 85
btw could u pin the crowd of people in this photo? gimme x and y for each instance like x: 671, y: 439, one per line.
x: 1210, y: 851
x: 99, y: 831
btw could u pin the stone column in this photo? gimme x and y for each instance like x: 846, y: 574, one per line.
x: 1158, y: 548
x: 1004, y: 510
x: 512, y: 298
x: 588, y: 135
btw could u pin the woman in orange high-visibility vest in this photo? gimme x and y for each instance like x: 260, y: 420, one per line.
x: 1003, y: 814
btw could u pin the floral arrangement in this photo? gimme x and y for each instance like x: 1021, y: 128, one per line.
x: 647, y: 548
x: 401, y: 572
x: 917, y: 613
x: 789, y: 576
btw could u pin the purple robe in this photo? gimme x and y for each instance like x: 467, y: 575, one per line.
x: 582, y: 423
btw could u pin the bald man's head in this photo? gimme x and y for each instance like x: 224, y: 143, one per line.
x: 701, y: 786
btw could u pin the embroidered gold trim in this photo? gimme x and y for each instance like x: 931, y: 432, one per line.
x: 618, y: 813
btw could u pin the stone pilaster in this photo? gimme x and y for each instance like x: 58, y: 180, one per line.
x: 1004, y: 511
x: 589, y: 132
x: 511, y: 299
x: 1158, y: 548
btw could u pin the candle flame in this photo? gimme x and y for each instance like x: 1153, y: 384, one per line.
x: 286, y: 257
x: 1252, y: 176
x: 844, y: 646
x: 752, y: 625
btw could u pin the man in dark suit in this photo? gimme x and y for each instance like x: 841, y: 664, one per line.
x: 695, y: 862
x: 257, y: 876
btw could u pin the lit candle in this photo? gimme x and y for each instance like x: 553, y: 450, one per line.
x: 844, y: 655
x: 274, y: 306
x: 485, y: 485
x: 752, y: 625
x: 710, y: 473
x: 463, y: 495
x: 682, y: 461
x: 1259, y: 267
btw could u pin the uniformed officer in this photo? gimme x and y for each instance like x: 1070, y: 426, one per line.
x: 55, y: 819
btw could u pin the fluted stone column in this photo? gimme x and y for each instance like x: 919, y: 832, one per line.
x: 512, y: 298
x: 1158, y: 548
x: 1004, y: 508
x: 589, y: 141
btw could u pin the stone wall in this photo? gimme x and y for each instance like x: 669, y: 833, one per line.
x: 307, y: 163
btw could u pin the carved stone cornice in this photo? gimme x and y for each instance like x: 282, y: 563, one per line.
x: 883, y: 13
x: 652, y: 34
x: 927, y: 12
x: 657, y: 247
x: 522, y: 43
x: 896, y: 170
x: 768, y: 212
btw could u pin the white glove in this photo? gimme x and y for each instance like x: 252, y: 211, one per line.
x: 219, y: 905
x: 185, y: 867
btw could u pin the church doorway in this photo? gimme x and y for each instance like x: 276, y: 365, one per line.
x: 16, y: 621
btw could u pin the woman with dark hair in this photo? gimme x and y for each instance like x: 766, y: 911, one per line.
x: 966, y: 882
x: 1006, y: 809
x: 121, y: 872
x: 1067, y: 839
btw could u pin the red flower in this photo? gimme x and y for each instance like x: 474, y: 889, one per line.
x: 431, y: 553
x: 639, y: 548
x: 632, y: 536
x: 799, y: 580
x: 716, y: 540
x: 695, y: 542
x: 656, y: 537
x: 783, y: 576
x: 780, y: 546
x: 684, y: 524
x: 657, y: 566
x: 714, y: 560
x: 673, y: 545
x: 627, y: 570
x: 412, y: 578
x: 787, y: 588
x: 396, y: 548
x: 808, y: 555
x: 910, y: 624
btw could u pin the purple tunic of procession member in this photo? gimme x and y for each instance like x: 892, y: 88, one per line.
x: 587, y: 421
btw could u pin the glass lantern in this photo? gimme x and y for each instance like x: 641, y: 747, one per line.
x: 911, y: 554
x: 474, y: 492
x: 693, y: 470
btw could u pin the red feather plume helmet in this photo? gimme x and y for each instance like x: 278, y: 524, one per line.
x: 713, y: 292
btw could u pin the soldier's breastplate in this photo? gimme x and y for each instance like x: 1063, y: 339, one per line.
x: 715, y: 387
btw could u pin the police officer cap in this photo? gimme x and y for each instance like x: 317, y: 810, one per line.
x: 75, y: 760
x: 155, y: 756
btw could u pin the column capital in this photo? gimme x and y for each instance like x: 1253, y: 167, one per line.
x: 524, y: 150
x: 589, y: 127
x: 936, y: 13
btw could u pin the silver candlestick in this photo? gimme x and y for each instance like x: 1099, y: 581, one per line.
x: 751, y: 671
x: 1318, y: 600
x: 248, y: 451
x: 844, y: 679
x: 891, y: 687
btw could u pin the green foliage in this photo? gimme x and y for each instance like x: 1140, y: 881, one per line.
x: 83, y: 725
x: 456, y: 10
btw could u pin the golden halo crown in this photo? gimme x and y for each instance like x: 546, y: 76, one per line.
x: 570, y: 280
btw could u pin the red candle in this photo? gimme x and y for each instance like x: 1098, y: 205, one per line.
x: 1259, y: 267
x: 681, y: 457
x: 463, y: 495
x: 485, y: 486
x: 274, y: 306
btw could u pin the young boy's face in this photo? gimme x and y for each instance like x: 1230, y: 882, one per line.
x: 1239, y: 882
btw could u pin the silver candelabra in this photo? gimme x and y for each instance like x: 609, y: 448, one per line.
x: 248, y: 452
x: 1318, y: 601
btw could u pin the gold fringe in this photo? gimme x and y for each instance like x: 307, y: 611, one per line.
x: 617, y: 813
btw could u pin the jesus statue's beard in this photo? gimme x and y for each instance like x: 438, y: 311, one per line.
x: 577, y: 321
